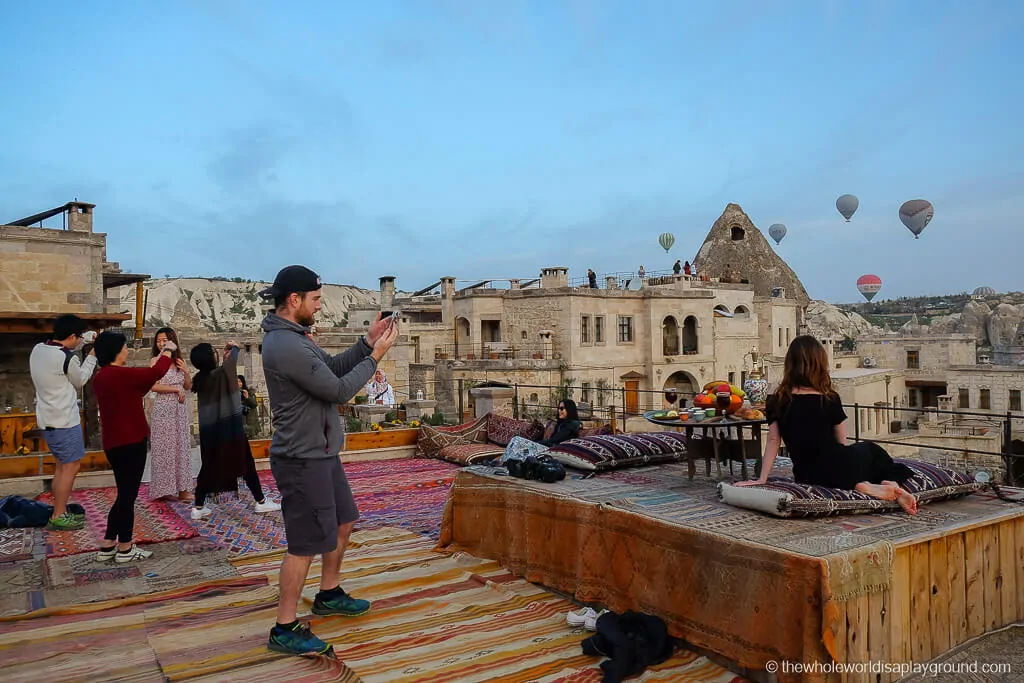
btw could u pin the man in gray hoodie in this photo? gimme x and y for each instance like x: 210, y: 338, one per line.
x: 305, y: 384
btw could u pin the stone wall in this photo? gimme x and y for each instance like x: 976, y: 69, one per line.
x: 16, y: 389
x: 998, y: 380
x: 935, y: 354
x: 870, y: 390
x: 51, y: 271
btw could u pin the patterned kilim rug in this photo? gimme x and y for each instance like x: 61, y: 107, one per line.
x: 435, y: 618
x: 105, y: 641
x: 400, y: 493
x: 155, y: 521
x: 16, y: 544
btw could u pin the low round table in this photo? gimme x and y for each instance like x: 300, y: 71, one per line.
x: 717, y: 423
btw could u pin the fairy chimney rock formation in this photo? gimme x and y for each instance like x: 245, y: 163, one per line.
x: 735, y: 249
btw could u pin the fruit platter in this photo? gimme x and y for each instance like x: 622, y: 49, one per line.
x: 718, y: 402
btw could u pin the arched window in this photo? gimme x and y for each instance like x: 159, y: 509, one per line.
x: 690, y: 345
x: 722, y: 311
x: 670, y: 336
x: 741, y: 312
x: 738, y: 233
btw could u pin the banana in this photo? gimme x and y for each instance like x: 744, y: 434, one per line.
x: 737, y: 391
x: 712, y: 385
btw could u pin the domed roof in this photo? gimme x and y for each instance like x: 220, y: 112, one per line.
x: 984, y: 291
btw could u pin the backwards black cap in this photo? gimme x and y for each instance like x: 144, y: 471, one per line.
x: 292, y: 280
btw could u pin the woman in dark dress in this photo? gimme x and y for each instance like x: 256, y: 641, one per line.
x: 567, y: 426
x: 806, y: 413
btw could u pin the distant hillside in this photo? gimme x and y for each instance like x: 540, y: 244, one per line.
x: 230, y: 305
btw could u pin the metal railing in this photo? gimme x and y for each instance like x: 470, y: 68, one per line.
x: 492, y: 351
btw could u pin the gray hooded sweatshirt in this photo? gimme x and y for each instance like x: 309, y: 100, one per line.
x: 305, y: 384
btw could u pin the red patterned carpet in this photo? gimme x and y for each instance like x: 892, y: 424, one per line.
x: 409, y: 494
x: 155, y: 522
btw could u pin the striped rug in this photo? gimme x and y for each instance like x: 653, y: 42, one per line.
x: 435, y: 618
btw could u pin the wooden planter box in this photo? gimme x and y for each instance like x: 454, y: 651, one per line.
x: 389, y: 438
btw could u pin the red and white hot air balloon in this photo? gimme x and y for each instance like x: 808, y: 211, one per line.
x: 868, y: 285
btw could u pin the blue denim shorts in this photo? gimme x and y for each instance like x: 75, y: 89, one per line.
x: 67, y: 444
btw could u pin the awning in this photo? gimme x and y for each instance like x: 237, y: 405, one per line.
x: 632, y: 374
x: 111, y: 280
x: 925, y: 383
x: 21, y: 322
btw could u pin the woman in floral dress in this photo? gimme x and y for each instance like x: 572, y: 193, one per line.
x: 170, y: 440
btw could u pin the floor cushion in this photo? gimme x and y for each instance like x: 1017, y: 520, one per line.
x: 608, y: 452
x: 501, y: 429
x: 785, y: 498
x: 432, y: 439
x: 470, y: 453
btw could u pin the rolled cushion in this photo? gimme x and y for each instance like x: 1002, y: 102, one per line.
x: 605, y: 452
x: 786, y: 498
x: 470, y: 453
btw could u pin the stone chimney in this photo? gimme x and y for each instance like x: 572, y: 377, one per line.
x: 611, y: 282
x: 513, y: 283
x: 80, y: 216
x: 554, y: 277
x: 448, y: 287
x: 448, y: 300
x: 387, y: 292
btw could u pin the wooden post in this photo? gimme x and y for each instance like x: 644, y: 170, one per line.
x: 139, y: 309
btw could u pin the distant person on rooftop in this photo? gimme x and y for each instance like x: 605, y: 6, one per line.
x: 592, y: 278
x: 379, y: 391
x: 641, y: 272
x: 676, y: 267
x: 687, y: 269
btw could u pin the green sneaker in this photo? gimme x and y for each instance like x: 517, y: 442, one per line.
x: 337, y: 601
x: 298, y: 640
x: 66, y: 522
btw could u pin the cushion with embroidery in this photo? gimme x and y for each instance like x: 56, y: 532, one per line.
x: 616, y: 451
x: 501, y: 429
x: 786, y: 498
x: 432, y: 439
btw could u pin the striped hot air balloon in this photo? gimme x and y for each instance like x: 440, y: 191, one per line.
x: 916, y: 215
x: 868, y: 285
x: 777, y: 231
x: 666, y: 241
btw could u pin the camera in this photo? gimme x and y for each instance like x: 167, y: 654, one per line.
x: 542, y: 468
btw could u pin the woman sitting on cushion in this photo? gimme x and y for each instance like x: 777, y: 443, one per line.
x: 566, y: 427
x: 806, y: 413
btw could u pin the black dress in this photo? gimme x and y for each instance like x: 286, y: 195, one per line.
x: 807, y: 426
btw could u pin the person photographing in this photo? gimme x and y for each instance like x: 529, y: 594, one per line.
x: 305, y: 384
x: 58, y: 375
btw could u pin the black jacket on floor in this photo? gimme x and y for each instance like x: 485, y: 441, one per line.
x: 631, y: 641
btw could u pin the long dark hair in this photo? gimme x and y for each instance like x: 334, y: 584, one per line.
x: 108, y: 345
x: 571, y: 413
x: 205, y: 361
x: 171, y: 336
x: 245, y: 387
x: 806, y: 367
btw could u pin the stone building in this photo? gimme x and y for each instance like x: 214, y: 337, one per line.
x: 48, y: 272
x: 875, y: 392
x: 995, y: 389
x: 925, y: 359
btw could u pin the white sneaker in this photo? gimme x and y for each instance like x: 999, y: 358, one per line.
x: 591, y: 622
x: 201, y: 513
x: 106, y: 555
x: 134, y: 553
x: 579, y: 617
x: 267, y: 506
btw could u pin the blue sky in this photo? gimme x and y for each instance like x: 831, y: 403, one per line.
x: 490, y: 139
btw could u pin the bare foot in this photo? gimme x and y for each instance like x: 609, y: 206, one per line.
x: 906, y: 501
x: 880, y: 491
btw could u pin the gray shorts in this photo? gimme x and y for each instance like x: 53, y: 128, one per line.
x: 67, y: 443
x: 315, y: 501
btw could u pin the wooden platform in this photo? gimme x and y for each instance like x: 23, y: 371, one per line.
x: 957, y: 569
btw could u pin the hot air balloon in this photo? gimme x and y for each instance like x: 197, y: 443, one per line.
x: 984, y: 291
x: 847, y: 206
x: 916, y: 214
x: 666, y: 241
x: 868, y: 285
x: 777, y: 231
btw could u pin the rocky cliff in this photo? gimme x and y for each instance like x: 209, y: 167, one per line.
x: 827, y: 321
x: 735, y: 244
x: 230, y: 306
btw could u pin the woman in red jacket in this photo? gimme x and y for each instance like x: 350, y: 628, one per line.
x: 119, y: 393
